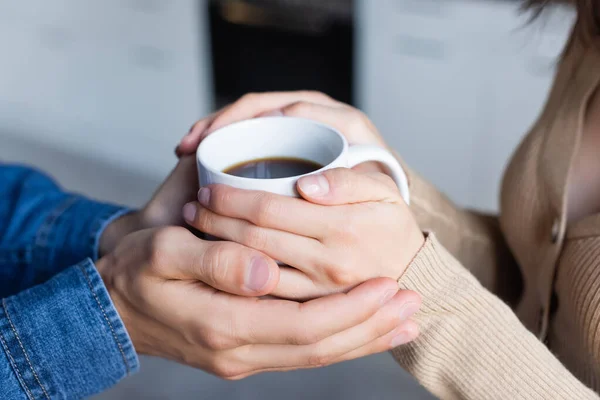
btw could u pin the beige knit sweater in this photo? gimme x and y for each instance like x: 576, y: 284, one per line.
x: 511, y: 304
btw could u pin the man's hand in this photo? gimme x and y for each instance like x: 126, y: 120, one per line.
x: 164, y: 284
x: 164, y: 209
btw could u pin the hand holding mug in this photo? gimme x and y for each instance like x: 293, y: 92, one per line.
x: 359, y: 227
x: 296, y: 139
x: 355, y: 125
x: 164, y: 284
x: 354, y: 227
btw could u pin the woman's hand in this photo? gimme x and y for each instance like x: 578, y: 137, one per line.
x: 354, y: 227
x: 352, y: 123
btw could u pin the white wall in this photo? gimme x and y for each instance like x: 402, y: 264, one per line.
x: 455, y: 84
x: 117, y: 80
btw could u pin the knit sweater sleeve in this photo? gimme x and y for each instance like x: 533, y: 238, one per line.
x: 473, y: 238
x: 472, y: 346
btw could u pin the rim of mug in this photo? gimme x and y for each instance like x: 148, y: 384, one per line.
x: 234, y: 178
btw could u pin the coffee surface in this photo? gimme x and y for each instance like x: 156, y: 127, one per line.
x: 273, y: 168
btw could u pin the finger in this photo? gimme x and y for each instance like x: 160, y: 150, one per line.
x: 350, y: 121
x: 297, y: 284
x: 254, y: 104
x: 258, y: 321
x: 305, y: 255
x: 190, y: 142
x: 226, y: 266
x: 403, y: 334
x: 407, y: 332
x: 179, y: 188
x: 383, y: 325
x: 270, y: 210
x: 344, y: 186
x: 294, y: 250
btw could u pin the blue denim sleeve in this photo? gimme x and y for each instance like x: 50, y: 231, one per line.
x: 63, y: 339
x: 60, y: 335
x: 44, y: 229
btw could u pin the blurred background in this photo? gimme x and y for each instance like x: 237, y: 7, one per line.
x: 98, y: 93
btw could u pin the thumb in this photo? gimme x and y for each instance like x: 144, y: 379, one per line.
x: 345, y: 186
x: 225, y: 266
x: 190, y: 142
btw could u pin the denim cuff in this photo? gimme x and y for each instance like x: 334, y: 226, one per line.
x: 72, y: 231
x: 64, y: 339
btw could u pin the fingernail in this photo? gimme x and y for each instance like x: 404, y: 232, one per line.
x: 401, y: 338
x: 189, y: 212
x: 274, y: 113
x: 408, y: 310
x: 314, y: 185
x: 259, y: 274
x: 204, y: 196
x: 388, y: 296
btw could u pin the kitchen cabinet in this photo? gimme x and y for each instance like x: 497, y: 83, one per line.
x: 455, y: 84
x: 112, y: 80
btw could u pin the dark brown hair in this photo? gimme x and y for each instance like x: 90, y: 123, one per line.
x: 588, y: 15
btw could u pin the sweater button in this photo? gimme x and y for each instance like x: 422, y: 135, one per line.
x: 555, y: 231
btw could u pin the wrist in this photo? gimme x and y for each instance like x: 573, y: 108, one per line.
x: 106, y: 268
x: 117, y: 230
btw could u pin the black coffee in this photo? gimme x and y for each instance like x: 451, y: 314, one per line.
x: 273, y: 168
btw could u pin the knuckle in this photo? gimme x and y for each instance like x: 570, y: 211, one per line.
x: 305, y: 336
x: 299, y: 108
x: 224, y: 368
x: 351, y: 233
x: 137, y: 286
x: 341, y: 272
x: 217, y: 342
x: 341, y: 179
x: 348, y: 231
x: 248, y: 97
x: 341, y: 278
x: 268, y: 209
x: 317, y: 95
x: 255, y: 237
x: 194, y: 333
x: 319, y: 357
x: 363, y: 118
x: 386, y: 326
x: 216, y: 263
x: 220, y: 196
x: 205, y: 220
x: 357, y: 119
x: 170, y: 234
x: 161, y: 244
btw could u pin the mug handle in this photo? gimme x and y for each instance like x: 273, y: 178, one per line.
x: 359, y: 154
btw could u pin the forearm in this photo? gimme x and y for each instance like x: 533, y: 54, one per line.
x: 472, y: 346
x: 63, y: 339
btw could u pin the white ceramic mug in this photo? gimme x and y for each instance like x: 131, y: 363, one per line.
x: 288, y: 137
